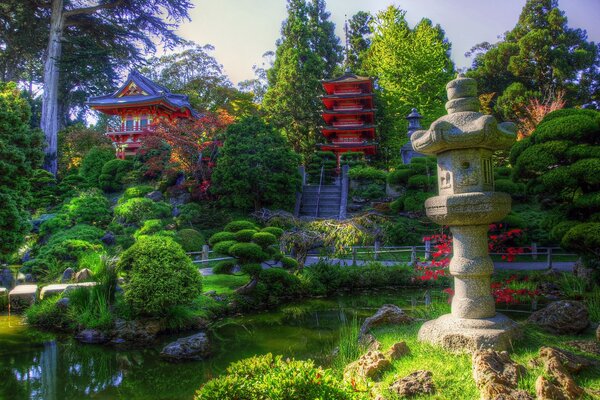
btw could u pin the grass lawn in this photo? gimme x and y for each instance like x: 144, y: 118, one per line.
x: 223, y: 284
x: 452, y: 374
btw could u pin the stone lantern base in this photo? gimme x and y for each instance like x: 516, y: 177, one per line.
x: 467, y: 335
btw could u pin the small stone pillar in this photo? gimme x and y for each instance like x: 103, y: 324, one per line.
x: 463, y: 142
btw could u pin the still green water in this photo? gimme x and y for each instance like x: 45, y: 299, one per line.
x: 36, y: 365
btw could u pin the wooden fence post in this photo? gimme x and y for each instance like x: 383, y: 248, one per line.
x: 427, y: 249
x: 534, y: 251
x: 413, y: 256
x: 353, y: 256
x: 205, y: 253
x: 376, y: 248
x: 549, y: 257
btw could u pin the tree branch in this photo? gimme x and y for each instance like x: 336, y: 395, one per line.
x: 93, y: 9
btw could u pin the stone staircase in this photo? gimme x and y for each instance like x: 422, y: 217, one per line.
x: 328, y: 201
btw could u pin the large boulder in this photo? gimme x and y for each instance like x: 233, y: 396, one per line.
x: 108, y: 238
x: 155, y: 196
x: 135, y: 333
x: 497, y: 376
x: 562, y: 317
x: 195, y: 347
x: 92, y: 336
x: 388, y: 314
x: 417, y: 383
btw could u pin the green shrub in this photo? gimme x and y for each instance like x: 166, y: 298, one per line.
x: 221, y: 237
x: 407, y: 231
x: 224, y: 247
x: 235, y: 226
x: 368, y: 174
x: 397, y: 205
x: 135, y: 192
x: 372, y: 192
x: 279, y: 283
x: 45, y: 314
x: 113, y: 172
x: 90, y: 208
x: 92, y: 163
x: 190, y: 239
x: 273, y: 230
x: 508, y: 186
x: 160, y: 276
x: 55, y: 224
x: 559, y: 230
x: 245, y: 235
x: 138, y: 210
x: 399, y: 176
x: 252, y: 269
x: 224, y: 267
x: 264, y: 239
x: 202, y: 216
x: 289, y: 263
x: 149, y: 227
x: 583, y: 238
x: 247, y: 252
x: 268, y: 377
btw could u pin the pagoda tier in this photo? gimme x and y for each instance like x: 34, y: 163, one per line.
x: 349, y: 115
x: 139, y: 102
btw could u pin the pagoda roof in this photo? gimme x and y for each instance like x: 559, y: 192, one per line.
x: 348, y: 112
x: 348, y: 127
x: 346, y: 96
x: 138, y: 90
x: 348, y: 77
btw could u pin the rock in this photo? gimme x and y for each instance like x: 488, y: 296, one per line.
x: 59, y: 288
x: 571, y: 362
x: 586, y: 274
x: 549, y: 289
x: 562, y: 317
x: 137, y: 332
x: 417, y: 383
x: 180, y: 198
x: 397, y: 350
x: 83, y: 275
x: 369, y: 341
x: 546, y: 390
x: 67, y: 275
x: 155, y: 195
x: 497, y: 376
x: 587, y: 346
x: 91, y: 336
x: 210, y: 293
x: 22, y: 296
x: 195, y: 347
x: 388, y: 314
x: 6, y: 279
x: 29, y: 278
x: 26, y: 257
x: 108, y: 238
x: 175, y: 212
x: 369, y: 365
x: 559, y: 365
x: 36, y: 223
x: 63, y: 303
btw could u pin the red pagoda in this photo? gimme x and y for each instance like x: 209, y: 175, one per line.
x: 349, y: 115
x: 138, y: 102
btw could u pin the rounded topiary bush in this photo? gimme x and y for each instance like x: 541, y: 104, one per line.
x: 583, y: 238
x: 135, y: 191
x: 190, y: 239
x: 90, y: 208
x: 221, y: 237
x: 415, y: 201
x: 224, y: 267
x: 273, y: 378
x: 160, y: 276
x: 235, y: 226
x: 223, y: 247
x: 264, y: 239
x: 273, y: 230
x: 508, y: 186
x: 245, y: 235
x: 247, y: 252
x: 252, y: 269
x: 93, y: 161
x: 289, y: 263
x: 113, y: 172
x: 150, y: 227
x: 399, y: 176
x: 137, y: 210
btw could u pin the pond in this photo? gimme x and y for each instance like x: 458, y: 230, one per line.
x: 36, y: 365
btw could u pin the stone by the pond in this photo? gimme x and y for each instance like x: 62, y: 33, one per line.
x: 108, y: 238
x: 22, y: 296
x: 155, y: 195
x: 67, y: 275
x: 92, y: 336
x: 6, y: 279
x: 83, y: 275
x: 397, y: 351
x: 195, y: 347
x: 369, y: 365
x: 417, y: 383
x: 388, y: 314
x: 497, y: 376
x: 59, y: 288
x: 562, y: 317
x: 135, y: 333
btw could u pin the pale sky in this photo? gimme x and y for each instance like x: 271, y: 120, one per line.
x: 243, y: 30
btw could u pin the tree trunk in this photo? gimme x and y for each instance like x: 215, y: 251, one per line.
x: 49, y: 122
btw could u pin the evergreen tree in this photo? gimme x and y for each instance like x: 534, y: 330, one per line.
x: 412, y: 67
x: 306, y: 53
x: 20, y: 154
x: 539, y: 58
x: 359, y: 40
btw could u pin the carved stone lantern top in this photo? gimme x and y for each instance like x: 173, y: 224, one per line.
x: 464, y: 127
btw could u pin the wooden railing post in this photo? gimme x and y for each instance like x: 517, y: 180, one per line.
x: 534, y: 251
x: 427, y: 249
x: 413, y: 256
x: 549, y: 257
x: 376, y: 249
x: 353, y: 256
x: 205, y: 253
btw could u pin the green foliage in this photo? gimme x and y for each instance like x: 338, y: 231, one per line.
x: 247, y: 252
x: 137, y: 210
x: 268, y: 377
x: 583, y: 238
x: 264, y: 239
x: 372, y: 191
x: 149, y: 227
x: 74, y: 142
x: 44, y: 190
x: 278, y: 284
x: 190, y: 239
x: 415, y: 201
x: 245, y: 235
x: 368, y: 174
x: 273, y: 230
x: 47, y: 315
x: 252, y: 269
x: 134, y: 192
x: 90, y: 208
x: 256, y: 168
x: 235, y: 226
x: 221, y: 237
x: 20, y: 154
x: 399, y: 176
x: 224, y: 267
x: 324, y: 161
x: 289, y: 263
x: 160, y: 276
x: 222, y: 247
x: 353, y: 159
x: 407, y: 231
x: 94, y: 160
x: 202, y: 216
x: 508, y: 186
x: 113, y: 172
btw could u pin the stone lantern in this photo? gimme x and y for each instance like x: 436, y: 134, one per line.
x: 463, y: 142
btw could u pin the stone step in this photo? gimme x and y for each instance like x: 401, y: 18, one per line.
x: 322, y: 203
x: 58, y: 288
x: 22, y: 296
x: 324, y: 189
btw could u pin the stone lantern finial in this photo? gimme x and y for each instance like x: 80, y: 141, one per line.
x: 464, y: 141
